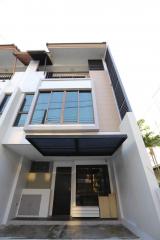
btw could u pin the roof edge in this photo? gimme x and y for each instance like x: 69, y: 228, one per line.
x: 9, y: 46
x: 76, y: 45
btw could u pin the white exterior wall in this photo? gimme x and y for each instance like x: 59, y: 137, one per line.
x: 11, y: 165
x: 8, y: 168
x: 136, y: 183
x: 9, y: 161
x: 18, y: 186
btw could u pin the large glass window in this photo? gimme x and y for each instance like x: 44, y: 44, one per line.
x: 4, y: 103
x: 23, y: 112
x: 63, y: 107
x: 71, y: 107
x: 91, y: 181
x: 85, y: 107
x: 55, y: 107
x: 40, y: 110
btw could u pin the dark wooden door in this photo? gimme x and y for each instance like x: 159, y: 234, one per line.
x: 62, y: 192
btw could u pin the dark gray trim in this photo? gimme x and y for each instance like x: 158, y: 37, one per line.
x: 77, y: 145
x: 95, y: 65
x: 119, y: 91
x: 41, y: 56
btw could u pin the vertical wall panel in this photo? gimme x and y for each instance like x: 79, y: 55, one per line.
x: 120, y: 95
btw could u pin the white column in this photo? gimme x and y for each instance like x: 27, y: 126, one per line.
x: 32, y: 67
x: 52, y: 190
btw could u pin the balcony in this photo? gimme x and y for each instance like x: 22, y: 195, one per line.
x: 67, y: 75
x: 5, y: 76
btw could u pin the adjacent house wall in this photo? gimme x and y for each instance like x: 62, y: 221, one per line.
x: 8, y: 167
x: 9, y: 161
x: 136, y: 183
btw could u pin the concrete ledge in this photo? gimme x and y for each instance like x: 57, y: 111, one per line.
x: 69, y: 223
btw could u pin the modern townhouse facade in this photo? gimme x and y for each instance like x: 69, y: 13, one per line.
x: 69, y: 143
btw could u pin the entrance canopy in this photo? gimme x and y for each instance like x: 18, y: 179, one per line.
x: 77, y: 145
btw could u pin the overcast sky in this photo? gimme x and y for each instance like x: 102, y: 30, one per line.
x: 131, y: 28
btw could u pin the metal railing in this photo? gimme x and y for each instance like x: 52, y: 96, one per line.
x: 5, y: 76
x: 66, y: 75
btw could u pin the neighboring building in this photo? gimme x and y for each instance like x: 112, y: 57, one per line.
x: 156, y: 170
x: 69, y: 140
x: 152, y: 117
x: 152, y: 114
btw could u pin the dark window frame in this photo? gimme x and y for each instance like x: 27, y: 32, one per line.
x: 40, y: 167
x: 106, y: 181
x: 63, y: 107
x: 95, y: 65
x: 20, y: 112
x: 4, y: 102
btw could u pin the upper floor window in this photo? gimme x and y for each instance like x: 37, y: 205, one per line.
x: 64, y: 107
x: 4, y: 103
x: 95, y: 65
x: 67, y: 75
x: 23, y: 112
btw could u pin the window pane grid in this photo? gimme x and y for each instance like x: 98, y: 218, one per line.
x: 23, y: 112
x: 4, y: 103
x: 41, y: 107
x: 64, y: 107
x: 55, y: 107
x: 71, y: 107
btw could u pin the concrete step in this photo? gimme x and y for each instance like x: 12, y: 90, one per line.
x: 68, y: 222
x: 97, y: 231
x: 76, y: 239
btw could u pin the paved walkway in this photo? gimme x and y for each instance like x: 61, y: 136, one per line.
x: 98, y: 231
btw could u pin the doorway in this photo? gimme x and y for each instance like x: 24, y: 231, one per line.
x: 62, y: 192
x: 92, y: 181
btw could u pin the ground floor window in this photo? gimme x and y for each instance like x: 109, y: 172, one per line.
x: 91, y: 181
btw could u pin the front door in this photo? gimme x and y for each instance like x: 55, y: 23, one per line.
x: 62, y: 192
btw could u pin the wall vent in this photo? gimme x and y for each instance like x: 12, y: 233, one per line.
x: 29, y: 205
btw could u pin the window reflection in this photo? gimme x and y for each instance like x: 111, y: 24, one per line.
x: 63, y: 107
x: 4, y: 103
x: 55, y: 107
x: 41, y: 108
x: 23, y: 112
x: 91, y: 182
x: 71, y: 107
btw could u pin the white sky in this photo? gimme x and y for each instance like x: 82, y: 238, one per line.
x: 131, y: 28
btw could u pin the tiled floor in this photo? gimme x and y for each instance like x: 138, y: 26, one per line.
x: 98, y: 231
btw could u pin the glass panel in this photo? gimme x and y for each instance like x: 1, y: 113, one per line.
x: 20, y: 120
x: 91, y: 182
x: 40, y: 108
x: 22, y: 116
x: 4, y: 103
x: 85, y: 107
x: 71, y: 107
x: 26, y: 103
x: 55, y: 107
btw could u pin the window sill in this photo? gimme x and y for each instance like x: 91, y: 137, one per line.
x: 61, y: 128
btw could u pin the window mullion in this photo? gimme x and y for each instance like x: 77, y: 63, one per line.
x: 63, y: 105
x: 78, y: 106
x: 48, y: 104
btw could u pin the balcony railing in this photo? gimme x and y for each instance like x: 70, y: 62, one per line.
x: 5, y: 76
x: 66, y: 75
